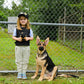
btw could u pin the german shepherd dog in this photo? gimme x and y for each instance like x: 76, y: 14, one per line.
x: 49, y: 70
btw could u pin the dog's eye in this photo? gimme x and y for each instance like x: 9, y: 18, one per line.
x: 39, y: 43
x: 44, y: 44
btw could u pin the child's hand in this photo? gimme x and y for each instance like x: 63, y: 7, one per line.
x: 19, y: 39
x: 26, y: 38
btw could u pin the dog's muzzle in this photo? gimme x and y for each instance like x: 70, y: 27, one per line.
x: 41, y: 48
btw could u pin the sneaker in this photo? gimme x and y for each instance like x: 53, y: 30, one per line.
x: 19, y: 76
x: 24, y: 76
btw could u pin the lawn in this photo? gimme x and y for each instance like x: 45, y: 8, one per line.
x: 62, y: 56
x: 74, y: 44
x: 11, y: 79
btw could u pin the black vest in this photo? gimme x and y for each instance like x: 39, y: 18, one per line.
x: 23, y: 33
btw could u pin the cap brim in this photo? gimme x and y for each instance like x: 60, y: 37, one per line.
x: 21, y: 15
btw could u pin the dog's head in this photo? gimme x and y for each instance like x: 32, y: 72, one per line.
x: 41, y: 45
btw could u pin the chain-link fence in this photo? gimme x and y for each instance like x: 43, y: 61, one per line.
x: 60, y: 20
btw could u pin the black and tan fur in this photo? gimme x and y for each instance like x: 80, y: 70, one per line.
x: 49, y: 70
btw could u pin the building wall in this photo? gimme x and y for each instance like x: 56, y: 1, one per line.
x: 11, y: 26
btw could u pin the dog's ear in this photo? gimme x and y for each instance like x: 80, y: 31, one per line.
x: 37, y: 40
x: 46, y: 41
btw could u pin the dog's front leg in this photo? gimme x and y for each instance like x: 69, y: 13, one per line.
x: 42, y: 73
x: 36, y: 73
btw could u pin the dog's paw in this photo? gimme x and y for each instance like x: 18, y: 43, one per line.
x: 40, y: 79
x: 50, y: 79
x: 33, y: 77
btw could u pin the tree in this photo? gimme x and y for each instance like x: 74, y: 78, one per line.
x: 3, y: 16
x: 49, y: 13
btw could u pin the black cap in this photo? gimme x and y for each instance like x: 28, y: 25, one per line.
x: 23, y: 14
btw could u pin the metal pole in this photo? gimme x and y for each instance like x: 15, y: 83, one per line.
x: 81, y: 31
x: 53, y: 24
x: 64, y: 26
x: 59, y: 33
x: 33, y: 71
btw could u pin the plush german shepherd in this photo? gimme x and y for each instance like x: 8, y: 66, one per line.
x: 49, y: 70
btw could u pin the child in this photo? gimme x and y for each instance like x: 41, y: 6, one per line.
x: 22, y: 36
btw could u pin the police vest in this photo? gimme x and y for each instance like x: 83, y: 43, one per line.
x: 22, y: 33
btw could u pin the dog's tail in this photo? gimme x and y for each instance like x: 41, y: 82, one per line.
x: 67, y: 75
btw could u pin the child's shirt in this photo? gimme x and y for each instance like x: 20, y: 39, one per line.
x: 24, y: 32
x: 31, y: 32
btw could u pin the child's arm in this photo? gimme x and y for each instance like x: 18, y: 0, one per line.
x: 17, y: 39
x: 14, y: 36
x: 28, y: 38
x: 31, y: 36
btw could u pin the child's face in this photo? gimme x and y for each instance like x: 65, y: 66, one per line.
x: 23, y: 21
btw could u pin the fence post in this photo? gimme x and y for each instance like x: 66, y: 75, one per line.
x: 59, y: 29
x: 81, y: 31
x: 64, y: 26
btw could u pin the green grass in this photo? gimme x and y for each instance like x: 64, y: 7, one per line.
x: 62, y: 56
x: 12, y: 79
x: 74, y: 44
